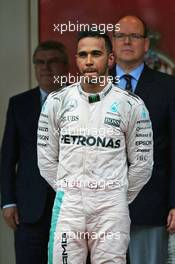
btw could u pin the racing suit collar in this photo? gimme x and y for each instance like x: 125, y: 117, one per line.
x: 95, y: 97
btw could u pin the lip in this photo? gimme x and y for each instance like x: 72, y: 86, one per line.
x: 127, y: 50
x: 94, y: 73
x: 90, y: 70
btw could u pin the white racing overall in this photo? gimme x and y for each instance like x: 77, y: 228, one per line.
x: 96, y: 151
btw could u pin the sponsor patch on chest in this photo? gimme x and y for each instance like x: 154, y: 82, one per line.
x: 112, y: 122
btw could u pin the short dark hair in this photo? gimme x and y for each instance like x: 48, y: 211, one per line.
x: 96, y: 34
x: 145, y: 28
x: 53, y: 45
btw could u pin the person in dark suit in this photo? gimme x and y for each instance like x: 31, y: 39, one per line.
x: 153, y: 211
x: 26, y: 198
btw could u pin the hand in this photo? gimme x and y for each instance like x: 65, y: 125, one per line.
x: 11, y: 216
x: 171, y: 221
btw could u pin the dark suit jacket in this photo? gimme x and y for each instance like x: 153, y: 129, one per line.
x: 154, y: 201
x: 21, y: 182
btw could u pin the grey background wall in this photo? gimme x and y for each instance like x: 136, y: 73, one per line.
x: 19, y: 36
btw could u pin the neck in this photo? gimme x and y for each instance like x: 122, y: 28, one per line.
x: 96, y: 87
x: 128, y: 67
x: 91, y: 88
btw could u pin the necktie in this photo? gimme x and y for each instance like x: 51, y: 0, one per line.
x: 128, y: 78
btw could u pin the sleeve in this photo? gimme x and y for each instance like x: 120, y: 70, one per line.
x: 48, y: 141
x: 9, y: 157
x: 171, y: 138
x: 139, y: 142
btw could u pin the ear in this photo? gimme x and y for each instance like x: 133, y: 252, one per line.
x: 147, y: 44
x: 111, y: 60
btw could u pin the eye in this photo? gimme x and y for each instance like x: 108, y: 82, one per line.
x: 119, y: 35
x: 96, y: 53
x: 38, y: 62
x: 136, y: 36
x: 82, y: 54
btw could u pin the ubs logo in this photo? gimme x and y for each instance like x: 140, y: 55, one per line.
x: 70, y: 118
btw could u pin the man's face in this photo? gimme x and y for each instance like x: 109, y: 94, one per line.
x: 92, y: 58
x: 130, y: 49
x: 49, y: 63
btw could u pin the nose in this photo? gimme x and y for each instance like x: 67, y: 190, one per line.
x: 89, y: 60
x: 46, y: 64
x: 127, y: 40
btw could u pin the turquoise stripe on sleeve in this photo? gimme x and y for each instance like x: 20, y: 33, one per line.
x: 55, y: 214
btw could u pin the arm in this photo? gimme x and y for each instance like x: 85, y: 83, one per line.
x: 171, y: 214
x: 139, y: 143
x: 9, y: 159
x: 48, y: 141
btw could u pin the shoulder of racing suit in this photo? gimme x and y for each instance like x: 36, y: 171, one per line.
x: 127, y: 95
x: 63, y: 92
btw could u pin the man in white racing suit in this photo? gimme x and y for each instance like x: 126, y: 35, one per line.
x: 95, y: 149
